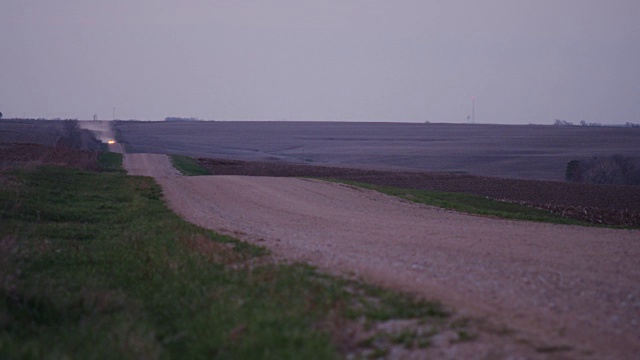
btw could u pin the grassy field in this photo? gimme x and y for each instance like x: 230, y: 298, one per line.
x: 94, y: 265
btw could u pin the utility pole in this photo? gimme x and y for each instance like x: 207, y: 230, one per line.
x: 114, y: 113
x: 473, y: 109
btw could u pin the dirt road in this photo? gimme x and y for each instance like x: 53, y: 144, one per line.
x: 100, y: 129
x: 554, y: 285
x: 103, y: 131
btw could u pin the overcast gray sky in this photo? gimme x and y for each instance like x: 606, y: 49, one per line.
x: 526, y: 61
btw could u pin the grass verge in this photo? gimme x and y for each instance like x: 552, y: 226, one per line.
x: 188, y: 166
x: 110, y: 161
x: 472, y: 204
x: 94, y: 265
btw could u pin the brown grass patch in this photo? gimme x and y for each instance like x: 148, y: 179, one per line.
x: 213, y: 251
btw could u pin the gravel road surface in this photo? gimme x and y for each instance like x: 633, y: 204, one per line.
x: 555, y: 285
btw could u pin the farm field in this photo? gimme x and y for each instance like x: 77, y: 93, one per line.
x: 30, y: 131
x: 16, y: 154
x: 43, y: 132
x: 529, y: 289
x: 521, y: 152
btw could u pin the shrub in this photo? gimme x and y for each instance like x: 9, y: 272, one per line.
x: 573, y: 172
x: 616, y: 169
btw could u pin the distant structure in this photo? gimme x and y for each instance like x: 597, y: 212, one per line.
x: 95, y: 117
x: 473, y: 109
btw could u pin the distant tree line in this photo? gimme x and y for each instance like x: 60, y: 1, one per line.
x: 559, y: 122
x: 175, y: 118
x: 617, y: 169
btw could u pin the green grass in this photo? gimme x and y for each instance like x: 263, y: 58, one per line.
x: 94, y: 265
x: 471, y: 204
x: 188, y: 166
x: 109, y: 161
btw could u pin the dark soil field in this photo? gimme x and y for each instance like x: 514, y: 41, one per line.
x: 519, y: 152
x: 606, y: 204
x: 12, y: 155
x: 42, y: 132
x: 30, y: 131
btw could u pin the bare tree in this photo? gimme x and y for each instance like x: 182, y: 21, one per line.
x: 616, y: 169
x: 72, y: 132
x: 574, y: 171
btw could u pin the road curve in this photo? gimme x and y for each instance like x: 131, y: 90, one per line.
x: 556, y: 284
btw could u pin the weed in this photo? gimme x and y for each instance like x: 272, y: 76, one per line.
x: 464, y: 335
x: 406, y: 337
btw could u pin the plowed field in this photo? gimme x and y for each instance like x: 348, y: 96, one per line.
x: 33, y: 155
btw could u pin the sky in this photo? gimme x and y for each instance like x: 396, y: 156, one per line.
x: 524, y: 61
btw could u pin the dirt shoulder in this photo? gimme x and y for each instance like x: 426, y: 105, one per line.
x: 568, y: 291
